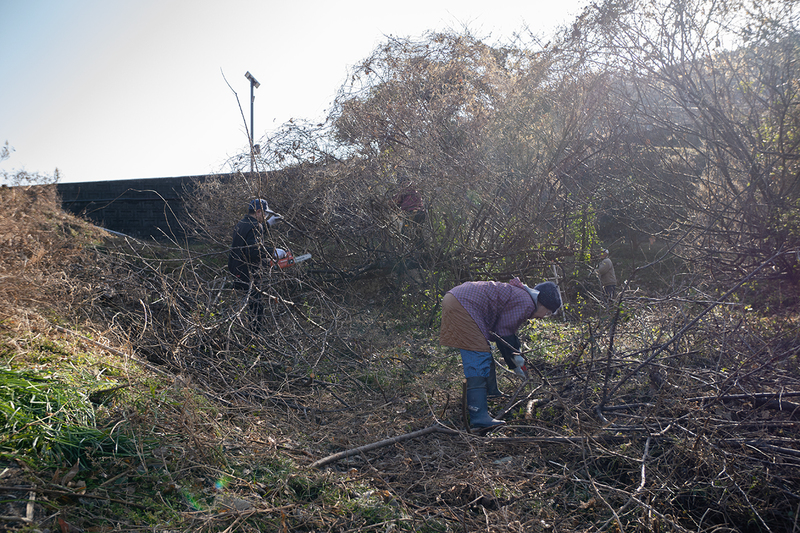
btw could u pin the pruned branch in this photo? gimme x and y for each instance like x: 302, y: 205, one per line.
x: 435, y: 428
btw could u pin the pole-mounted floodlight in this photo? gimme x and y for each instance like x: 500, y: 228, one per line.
x: 253, y: 148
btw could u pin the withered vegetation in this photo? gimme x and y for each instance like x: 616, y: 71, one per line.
x: 647, y: 414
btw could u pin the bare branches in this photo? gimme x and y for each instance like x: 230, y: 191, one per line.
x: 657, y: 350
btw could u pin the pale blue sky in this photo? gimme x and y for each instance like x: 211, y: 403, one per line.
x: 105, y: 89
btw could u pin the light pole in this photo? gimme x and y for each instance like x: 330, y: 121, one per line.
x: 253, y: 147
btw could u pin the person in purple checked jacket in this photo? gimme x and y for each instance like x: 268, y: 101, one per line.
x: 476, y: 313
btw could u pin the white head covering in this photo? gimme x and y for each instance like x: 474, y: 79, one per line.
x: 534, y: 296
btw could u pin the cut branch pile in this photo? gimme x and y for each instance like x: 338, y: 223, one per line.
x: 669, y: 416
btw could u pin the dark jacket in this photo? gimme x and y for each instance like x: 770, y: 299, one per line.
x: 246, y: 251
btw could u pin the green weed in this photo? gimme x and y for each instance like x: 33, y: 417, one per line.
x: 42, y: 419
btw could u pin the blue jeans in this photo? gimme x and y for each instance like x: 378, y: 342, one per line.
x: 476, y: 364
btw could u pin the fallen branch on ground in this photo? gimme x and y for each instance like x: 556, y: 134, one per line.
x: 435, y: 428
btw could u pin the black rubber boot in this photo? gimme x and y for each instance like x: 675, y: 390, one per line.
x: 479, y: 416
x: 491, y: 382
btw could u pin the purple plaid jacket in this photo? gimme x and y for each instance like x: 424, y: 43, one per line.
x: 495, y: 307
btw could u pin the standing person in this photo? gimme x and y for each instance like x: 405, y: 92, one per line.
x: 410, y: 201
x: 413, y: 213
x: 605, y: 271
x: 476, y: 313
x: 248, y: 250
x: 410, y: 222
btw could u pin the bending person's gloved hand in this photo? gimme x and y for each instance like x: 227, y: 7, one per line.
x: 521, y: 369
x: 280, y: 253
x: 274, y: 219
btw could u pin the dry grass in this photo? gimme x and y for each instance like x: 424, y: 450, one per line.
x: 227, y: 422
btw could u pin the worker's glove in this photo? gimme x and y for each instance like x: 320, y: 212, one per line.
x: 521, y: 369
x: 279, y: 253
x: 274, y: 219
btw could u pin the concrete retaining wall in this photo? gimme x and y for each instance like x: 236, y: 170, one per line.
x: 143, y: 208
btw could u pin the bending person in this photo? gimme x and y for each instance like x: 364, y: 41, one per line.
x: 476, y: 313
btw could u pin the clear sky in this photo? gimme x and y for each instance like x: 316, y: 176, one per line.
x: 114, y: 89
